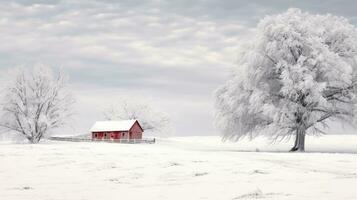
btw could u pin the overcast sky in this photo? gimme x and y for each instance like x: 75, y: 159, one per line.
x: 174, y: 53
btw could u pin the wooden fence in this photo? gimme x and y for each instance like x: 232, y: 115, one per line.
x: 126, y: 141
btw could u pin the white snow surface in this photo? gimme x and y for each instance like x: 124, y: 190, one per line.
x: 180, y: 168
x: 122, y: 125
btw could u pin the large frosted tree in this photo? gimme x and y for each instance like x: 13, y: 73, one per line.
x: 35, y: 102
x: 298, y: 74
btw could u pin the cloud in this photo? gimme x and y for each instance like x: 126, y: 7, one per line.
x: 176, y: 52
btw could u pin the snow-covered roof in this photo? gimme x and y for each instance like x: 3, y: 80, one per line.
x: 123, y: 125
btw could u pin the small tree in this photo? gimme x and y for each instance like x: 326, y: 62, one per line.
x: 298, y: 74
x: 35, y: 102
x: 150, y: 119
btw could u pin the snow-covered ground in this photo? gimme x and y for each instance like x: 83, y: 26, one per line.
x: 180, y: 168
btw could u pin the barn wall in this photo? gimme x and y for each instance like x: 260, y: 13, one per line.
x: 136, y: 132
x: 100, y: 135
x: 124, y: 134
x: 114, y: 135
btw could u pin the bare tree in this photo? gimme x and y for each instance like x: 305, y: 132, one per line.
x: 151, y: 119
x: 298, y: 74
x: 35, y: 102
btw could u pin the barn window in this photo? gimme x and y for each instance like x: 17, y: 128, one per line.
x: 95, y: 135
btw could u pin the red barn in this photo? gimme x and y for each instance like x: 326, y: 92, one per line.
x: 116, y: 130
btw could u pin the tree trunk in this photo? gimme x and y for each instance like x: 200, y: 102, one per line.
x: 295, y: 147
x: 301, y: 146
x: 299, y: 140
x: 33, y: 140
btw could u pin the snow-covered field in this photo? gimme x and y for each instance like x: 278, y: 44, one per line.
x: 180, y: 168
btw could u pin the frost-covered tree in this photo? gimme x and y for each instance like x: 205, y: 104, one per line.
x: 35, y: 102
x: 298, y: 74
x: 150, y: 118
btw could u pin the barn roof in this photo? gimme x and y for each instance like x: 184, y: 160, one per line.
x: 123, y: 125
